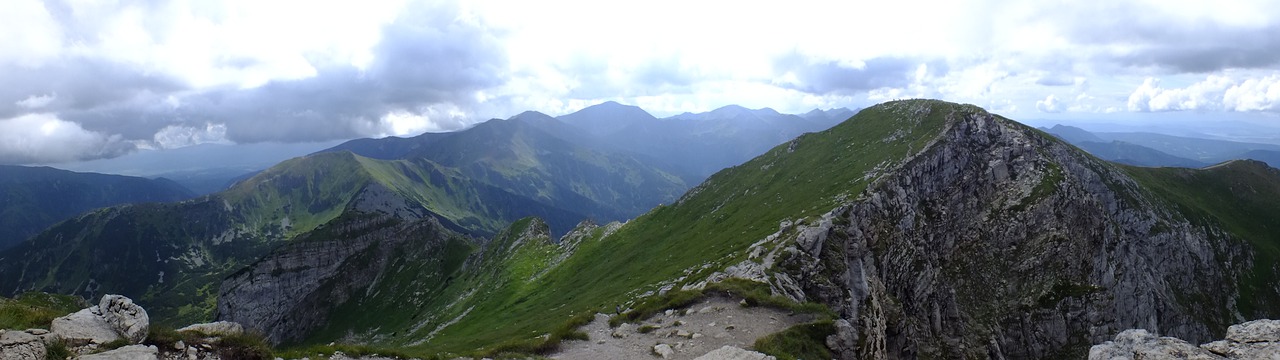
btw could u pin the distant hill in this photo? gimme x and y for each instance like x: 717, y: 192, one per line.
x: 1271, y: 157
x: 33, y: 198
x: 520, y: 157
x: 692, y: 145
x: 1202, y: 150
x: 1130, y: 154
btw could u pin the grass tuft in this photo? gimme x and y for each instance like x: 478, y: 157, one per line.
x: 804, y: 341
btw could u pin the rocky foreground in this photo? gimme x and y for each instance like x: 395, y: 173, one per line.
x: 113, y: 329
x: 1258, y: 339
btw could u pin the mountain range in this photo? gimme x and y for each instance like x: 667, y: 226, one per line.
x: 913, y: 229
x: 33, y: 198
x: 1152, y: 149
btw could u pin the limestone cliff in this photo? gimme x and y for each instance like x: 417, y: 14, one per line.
x: 293, y: 291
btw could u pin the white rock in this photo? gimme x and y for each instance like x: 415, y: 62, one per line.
x: 17, y: 345
x: 1140, y: 344
x: 127, y: 318
x: 37, y: 332
x: 683, y: 334
x: 131, y: 352
x: 623, y: 330
x: 219, y: 328
x: 84, y: 327
x: 1255, y: 331
x: 664, y: 351
x: 732, y: 353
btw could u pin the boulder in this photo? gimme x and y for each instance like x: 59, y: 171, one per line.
x: 1255, y: 331
x: 84, y: 327
x: 131, y: 352
x: 664, y: 350
x: 17, y: 345
x: 1140, y: 344
x: 127, y: 318
x: 218, y: 328
x: 732, y: 353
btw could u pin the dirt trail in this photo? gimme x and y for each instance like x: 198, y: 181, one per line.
x: 707, y: 326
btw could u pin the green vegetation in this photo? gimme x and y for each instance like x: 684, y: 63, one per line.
x: 36, y: 310
x: 246, y: 346
x: 526, y: 291
x: 1239, y: 197
x: 57, y: 350
x: 804, y: 341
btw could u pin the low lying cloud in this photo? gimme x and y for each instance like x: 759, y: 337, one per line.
x: 39, y: 138
x: 1216, y: 92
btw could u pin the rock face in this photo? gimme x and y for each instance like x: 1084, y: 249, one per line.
x: 291, y: 291
x: 127, y: 318
x: 996, y: 241
x: 115, y: 317
x: 1258, y: 339
x: 17, y: 345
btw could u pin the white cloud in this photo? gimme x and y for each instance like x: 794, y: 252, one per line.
x: 46, y: 138
x: 1050, y: 104
x: 36, y: 101
x: 1215, y: 92
x: 176, y: 136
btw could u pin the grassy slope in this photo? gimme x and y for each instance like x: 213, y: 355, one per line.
x: 713, y: 223
x: 1237, y: 196
x: 36, y: 310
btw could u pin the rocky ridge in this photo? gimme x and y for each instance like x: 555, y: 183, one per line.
x: 290, y: 292
x: 917, y: 264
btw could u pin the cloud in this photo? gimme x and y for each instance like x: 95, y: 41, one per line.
x: 44, y: 138
x: 176, y: 136
x: 803, y: 73
x: 1215, y: 92
x: 1050, y: 104
x: 427, y: 59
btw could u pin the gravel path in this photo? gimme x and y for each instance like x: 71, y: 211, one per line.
x: 707, y: 326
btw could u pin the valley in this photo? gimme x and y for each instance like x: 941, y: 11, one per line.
x: 913, y: 229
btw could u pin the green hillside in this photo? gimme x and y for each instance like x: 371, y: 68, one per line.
x: 530, y: 291
x: 34, y: 198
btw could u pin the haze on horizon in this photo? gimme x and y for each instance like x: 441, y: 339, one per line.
x: 86, y: 80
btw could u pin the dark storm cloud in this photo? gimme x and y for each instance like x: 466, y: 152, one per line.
x: 830, y: 77
x: 78, y: 83
x: 429, y: 60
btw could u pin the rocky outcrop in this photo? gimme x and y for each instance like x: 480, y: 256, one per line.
x: 18, y: 345
x: 127, y: 318
x: 292, y: 291
x: 217, y: 328
x: 733, y: 353
x: 131, y: 352
x: 1258, y: 339
x: 995, y: 241
x: 115, y: 317
x: 1140, y: 344
x: 84, y: 327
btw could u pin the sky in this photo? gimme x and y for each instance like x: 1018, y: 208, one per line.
x: 87, y: 79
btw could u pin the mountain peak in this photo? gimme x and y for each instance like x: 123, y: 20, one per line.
x: 607, y: 117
